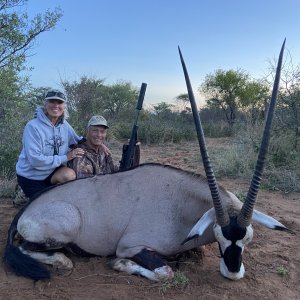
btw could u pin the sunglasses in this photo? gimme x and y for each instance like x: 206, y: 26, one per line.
x: 55, y: 94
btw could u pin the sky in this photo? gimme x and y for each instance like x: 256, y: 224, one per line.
x: 136, y: 41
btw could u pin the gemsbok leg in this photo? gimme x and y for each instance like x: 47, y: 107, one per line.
x: 146, y: 263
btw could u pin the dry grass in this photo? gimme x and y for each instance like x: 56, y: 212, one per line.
x: 7, y: 187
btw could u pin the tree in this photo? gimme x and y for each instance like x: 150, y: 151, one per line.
x: 288, y: 106
x: 17, y: 36
x: 231, y: 90
x: 84, y: 98
x: 36, y: 96
x: 90, y: 96
x: 18, y: 32
x: 163, y: 109
x: 288, y: 113
x: 224, y: 89
x: 13, y: 115
x: 253, y: 100
x: 119, y: 100
x: 183, y: 103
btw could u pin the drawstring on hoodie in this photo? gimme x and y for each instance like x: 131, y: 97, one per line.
x: 55, y: 144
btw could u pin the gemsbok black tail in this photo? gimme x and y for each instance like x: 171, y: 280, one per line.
x: 20, y: 263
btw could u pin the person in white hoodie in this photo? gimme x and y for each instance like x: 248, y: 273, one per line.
x: 46, y: 140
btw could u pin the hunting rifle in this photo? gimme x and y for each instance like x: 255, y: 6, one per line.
x: 131, y: 151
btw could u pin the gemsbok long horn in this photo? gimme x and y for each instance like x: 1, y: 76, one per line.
x: 221, y: 214
x: 245, y: 216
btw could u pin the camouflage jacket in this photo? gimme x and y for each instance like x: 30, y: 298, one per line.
x: 91, y: 163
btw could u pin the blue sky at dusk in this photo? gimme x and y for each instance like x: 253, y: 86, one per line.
x: 137, y: 40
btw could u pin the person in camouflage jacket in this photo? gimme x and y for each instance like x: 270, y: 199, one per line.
x: 94, y: 161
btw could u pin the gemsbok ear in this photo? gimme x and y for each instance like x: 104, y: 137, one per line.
x: 268, y: 221
x: 204, y: 222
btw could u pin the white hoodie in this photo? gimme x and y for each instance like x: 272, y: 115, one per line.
x: 45, y: 146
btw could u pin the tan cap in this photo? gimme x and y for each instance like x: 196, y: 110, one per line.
x: 97, y: 121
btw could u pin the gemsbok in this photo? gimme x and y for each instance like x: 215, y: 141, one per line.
x: 141, y: 216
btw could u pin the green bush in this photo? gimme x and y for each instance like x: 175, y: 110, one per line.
x: 282, y: 151
x: 281, y: 179
x: 156, y: 131
x: 9, y: 157
x: 7, y: 184
x: 217, y: 129
x: 282, y: 168
x: 121, y: 130
x: 234, y: 161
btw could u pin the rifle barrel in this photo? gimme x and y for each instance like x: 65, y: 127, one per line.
x: 141, y: 96
x: 133, y: 141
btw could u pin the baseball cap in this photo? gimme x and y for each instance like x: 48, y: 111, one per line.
x: 55, y: 94
x: 97, y: 121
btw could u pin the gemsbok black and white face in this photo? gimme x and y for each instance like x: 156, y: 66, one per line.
x: 233, y: 232
x: 232, y: 239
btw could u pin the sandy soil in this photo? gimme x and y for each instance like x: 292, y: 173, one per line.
x: 272, y: 259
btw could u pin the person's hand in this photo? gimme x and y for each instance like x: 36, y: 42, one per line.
x: 77, y: 152
x: 105, y: 150
x: 137, y: 143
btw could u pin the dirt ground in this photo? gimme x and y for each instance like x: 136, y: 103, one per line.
x: 272, y: 259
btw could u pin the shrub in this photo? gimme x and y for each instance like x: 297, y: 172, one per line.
x: 235, y: 161
x: 155, y: 131
x: 178, y: 282
x: 7, y: 184
x: 217, y: 129
x: 282, y: 168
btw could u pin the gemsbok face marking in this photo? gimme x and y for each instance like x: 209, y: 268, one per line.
x: 232, y: 239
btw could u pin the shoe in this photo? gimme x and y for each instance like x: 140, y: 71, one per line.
x: 20, y: 198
